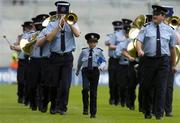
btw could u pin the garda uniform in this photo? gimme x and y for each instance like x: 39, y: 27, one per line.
x: 170, y: 81
x: 27, y: 36
x: 90, y: 60
x: 114, y: 39
x: 22, y: 69
x: 140, y: 71
x: 157, y: 41
x: 61, y: 61
x: 123, y: 64
x: 35, y: 68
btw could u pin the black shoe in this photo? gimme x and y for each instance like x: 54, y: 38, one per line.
x: 43, y: 109
x: 85, y: 112
x: 20, y: 100
x: 147, y: 116
x: 122, y: 104
x: 111, y: 102
x: 52, y: 110
x: 93, y: 116
x: 62, y: 112
x: 132, y: 108
x: 159, y: 117
x: 170, y: 114
x: 34, y: 108
x: 141, y: 110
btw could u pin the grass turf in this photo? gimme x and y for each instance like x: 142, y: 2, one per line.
x: 12, y: 112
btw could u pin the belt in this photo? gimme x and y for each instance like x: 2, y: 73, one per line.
x: 61, y: 54
x: 156, y: 57
x: 86, y: 68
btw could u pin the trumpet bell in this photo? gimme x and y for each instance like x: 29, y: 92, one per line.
x: 71, y: 18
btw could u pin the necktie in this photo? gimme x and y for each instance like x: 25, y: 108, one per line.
x: 90, y: 59
x: 63, y: 41
x: 41, y: 51
x: 158, y: 46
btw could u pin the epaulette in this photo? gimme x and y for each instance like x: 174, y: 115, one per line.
x: 100, y: 49
x: 169, y: 26
x: 84, y: 48
x: 146, y: 24
x: 110, y: 35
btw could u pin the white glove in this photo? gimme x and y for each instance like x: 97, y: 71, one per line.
x: 102, y: 66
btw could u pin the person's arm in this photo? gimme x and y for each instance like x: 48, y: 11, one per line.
x: 112, y: 47
x: 139, y: 42
x: 139, y: 48
x: 126, y: 54
x: 178, y: 38
x: 52, y: 34
x: 79, y: 63
x: 173, y: 39
x: 102, y: 61
x: 75, y: 30
x: 16, y: 45
x: 42, y: 38
x: 173, y: 59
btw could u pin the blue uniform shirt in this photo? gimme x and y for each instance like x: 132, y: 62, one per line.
x: 69, y: 38
x: 120, y: 47
x: 114, y: 38
x: 147, y: 36
x: 97, y: 56
x: 46, y: 47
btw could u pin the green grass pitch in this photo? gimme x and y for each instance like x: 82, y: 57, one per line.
x: 12, y: 112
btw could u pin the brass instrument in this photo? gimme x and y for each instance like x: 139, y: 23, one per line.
x: 48, y: 20
x: 137, y: 24
x: 71, y: 18
x: 173, y: 21
x: 27, y: 46
x: 177, y: 54
x: 133, y: 33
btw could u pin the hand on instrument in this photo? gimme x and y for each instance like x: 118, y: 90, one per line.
x: 131, y: 59
x: 12, y: 47
x: 140, y: 53
x: 61, y: 23
x: 173, y: 68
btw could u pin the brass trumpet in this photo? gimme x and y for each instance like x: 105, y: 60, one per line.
x: 71, y: 18
x: 27, y: 46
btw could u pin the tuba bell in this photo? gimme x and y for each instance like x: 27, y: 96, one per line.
x: 174, y: 21
x: 133, y: 33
